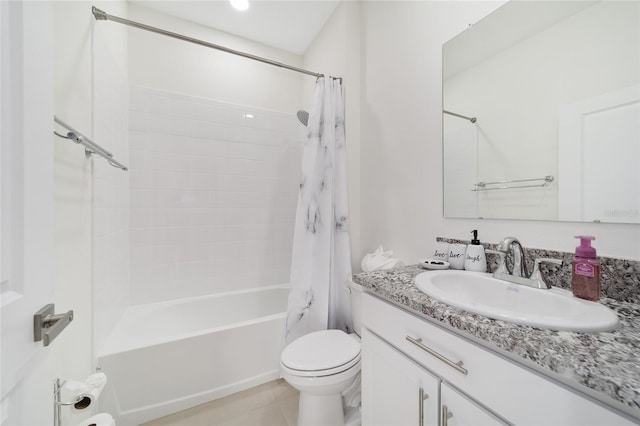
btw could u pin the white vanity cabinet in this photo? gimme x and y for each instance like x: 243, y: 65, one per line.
x: 397, y: 391
x: 458, y: 410
x: 402, y: 352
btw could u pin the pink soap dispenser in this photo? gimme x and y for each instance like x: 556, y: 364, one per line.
x: 585, y: 281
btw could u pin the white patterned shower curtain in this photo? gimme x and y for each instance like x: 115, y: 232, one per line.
x: 321, y: 261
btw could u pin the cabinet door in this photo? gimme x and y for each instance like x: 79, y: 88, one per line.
x: 458, y: 410
x: 395, y: 390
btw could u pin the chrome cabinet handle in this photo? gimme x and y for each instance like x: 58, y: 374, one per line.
x: 422, y: 396
x: 446, y: 415
x: 456, y: 365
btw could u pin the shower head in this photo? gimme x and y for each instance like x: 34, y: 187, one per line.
x: 303, y: 117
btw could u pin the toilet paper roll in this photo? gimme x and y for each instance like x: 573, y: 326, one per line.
x: 85, y: 393
x: 72, y: 389
x: 102, y: 419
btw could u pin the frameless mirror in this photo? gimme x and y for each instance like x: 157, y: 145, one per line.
x: 541, y: 113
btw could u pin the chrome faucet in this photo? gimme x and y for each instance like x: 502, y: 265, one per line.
x: 519, y: 265
x: 519, y: 273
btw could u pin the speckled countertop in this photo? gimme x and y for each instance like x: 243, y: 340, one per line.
x: 605, y: 365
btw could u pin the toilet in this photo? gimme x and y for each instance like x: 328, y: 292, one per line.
x: 324, y: 366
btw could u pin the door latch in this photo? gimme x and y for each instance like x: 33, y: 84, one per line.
x: 47, y: 324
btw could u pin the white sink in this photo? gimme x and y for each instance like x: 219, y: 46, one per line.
x: 480, y: 293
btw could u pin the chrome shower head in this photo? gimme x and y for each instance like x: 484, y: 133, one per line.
x: 303, y: 117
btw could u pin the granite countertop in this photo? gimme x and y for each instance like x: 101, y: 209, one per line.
x: 605, y: 365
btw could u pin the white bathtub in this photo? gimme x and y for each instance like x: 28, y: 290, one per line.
x: 166, y: 357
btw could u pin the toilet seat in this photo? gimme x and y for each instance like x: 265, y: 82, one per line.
x: 321, y: 353
x: 321, y: 373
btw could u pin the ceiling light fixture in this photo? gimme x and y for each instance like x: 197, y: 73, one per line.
x: 241, y: 5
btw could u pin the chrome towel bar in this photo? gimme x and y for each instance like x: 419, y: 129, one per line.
x: 90, y: 147
x: 471, y: 119
x: 505, y: 184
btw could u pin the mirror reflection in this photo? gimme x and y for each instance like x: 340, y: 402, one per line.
x: 541, y: 115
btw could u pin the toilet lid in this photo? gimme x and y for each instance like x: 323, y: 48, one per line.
x: 320, y: 350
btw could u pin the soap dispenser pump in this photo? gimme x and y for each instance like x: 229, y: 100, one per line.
x: 476, y: 259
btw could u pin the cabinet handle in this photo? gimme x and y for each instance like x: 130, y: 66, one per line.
x: 446, y: 415
x: 456, y: 365
x: 422, y: 396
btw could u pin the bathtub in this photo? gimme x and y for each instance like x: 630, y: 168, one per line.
x: 165, y: 357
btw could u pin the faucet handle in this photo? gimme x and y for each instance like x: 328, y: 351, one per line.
x: 536, y: 264
x: 502, y: 264
x: 537, y: 276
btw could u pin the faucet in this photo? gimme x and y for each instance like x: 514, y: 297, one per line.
x: 519, y: 273
x: 519, y: 265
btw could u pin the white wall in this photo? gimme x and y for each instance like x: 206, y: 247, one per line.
x: 172, y: 65
x: 336, y: 52
x: 73, y: 102
x: 401, y: 121
x: 402, y: 149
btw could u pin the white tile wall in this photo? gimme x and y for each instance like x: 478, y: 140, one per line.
x: 213, y: 195
x: 110, y: 193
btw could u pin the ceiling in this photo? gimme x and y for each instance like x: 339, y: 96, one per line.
x: 288, y: 25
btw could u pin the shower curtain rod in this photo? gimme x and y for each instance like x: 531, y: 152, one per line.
x: 101, y: 15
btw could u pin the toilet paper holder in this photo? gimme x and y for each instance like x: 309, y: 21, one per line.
x: 58, y: 404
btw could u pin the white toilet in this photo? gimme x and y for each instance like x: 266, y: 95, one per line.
x: 323, y: 365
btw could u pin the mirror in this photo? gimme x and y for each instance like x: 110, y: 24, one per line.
x: 541, y: 113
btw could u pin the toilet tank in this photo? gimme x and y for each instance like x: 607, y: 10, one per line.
x: 355, y: 296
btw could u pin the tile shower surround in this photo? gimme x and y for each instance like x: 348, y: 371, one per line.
x: 620, y: 278
x: 213, y: 195
x: 110, y: 203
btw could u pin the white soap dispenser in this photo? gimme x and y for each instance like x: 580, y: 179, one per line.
x: 475, y: 260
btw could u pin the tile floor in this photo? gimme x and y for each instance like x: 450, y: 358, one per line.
x: 271, y: 404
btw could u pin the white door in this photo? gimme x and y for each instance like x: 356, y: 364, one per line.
x: 598, y: 151
x: 26, y: 234
x: 395, y: 390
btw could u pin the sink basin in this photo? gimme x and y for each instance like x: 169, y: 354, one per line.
x: 480, y: 293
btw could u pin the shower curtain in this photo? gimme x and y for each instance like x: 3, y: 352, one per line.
x: 321, y: 261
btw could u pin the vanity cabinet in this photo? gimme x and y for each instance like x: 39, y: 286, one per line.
x: 458, y: 410
x: 403, y: 352
x: 396, y: 391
